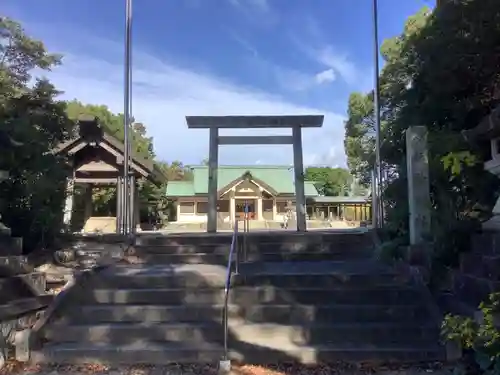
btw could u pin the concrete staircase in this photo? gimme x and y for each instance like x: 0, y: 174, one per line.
x: 315, y: 297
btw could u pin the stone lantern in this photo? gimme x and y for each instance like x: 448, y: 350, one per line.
x: 489, y: 130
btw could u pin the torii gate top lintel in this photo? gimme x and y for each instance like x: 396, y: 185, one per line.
x: 214, y: 123
x: 250, y: 122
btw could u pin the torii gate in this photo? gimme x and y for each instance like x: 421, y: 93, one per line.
x: 296, y: 123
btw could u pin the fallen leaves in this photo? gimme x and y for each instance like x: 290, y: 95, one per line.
x: 16, y: 368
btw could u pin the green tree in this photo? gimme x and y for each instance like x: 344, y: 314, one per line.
x: 19, y: 55
x: 34, y: 193
x: 359, y: 142
x: 30, y: 114
x: 329, y: 181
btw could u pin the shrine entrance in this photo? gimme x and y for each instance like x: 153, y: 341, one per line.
x: 97, y: 160
x: 240, y: 208
x: 214, y: 123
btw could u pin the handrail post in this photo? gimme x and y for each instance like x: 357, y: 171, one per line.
x: 225, y: 362
x: 245, y: 231
x: 237, y: 255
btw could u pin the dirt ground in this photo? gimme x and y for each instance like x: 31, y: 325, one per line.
x: 13, y: 368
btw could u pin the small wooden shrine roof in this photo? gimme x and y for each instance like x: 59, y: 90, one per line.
x: 91, y: 133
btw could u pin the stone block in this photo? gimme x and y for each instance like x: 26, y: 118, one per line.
x: 491, y: 267
x: 10, y: 245
x: 453, y: 351
x: 14, y: 265
x: 473, y: 290
x: 472, y: 263
x: 22, y: 286
x: 21, y: 343
x: 487, y: 243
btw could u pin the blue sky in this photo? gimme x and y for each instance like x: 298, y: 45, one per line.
x: 219, y: 57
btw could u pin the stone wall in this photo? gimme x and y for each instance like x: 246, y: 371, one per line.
x: 477, y: 276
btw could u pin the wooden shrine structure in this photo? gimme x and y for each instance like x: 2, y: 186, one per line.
x: 97, y: 160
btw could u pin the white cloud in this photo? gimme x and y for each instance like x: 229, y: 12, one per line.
x: 325, y: 76
x: 314, y: 44
x: 261, y: 5
x: 163, y: 94
x: 339, y: 63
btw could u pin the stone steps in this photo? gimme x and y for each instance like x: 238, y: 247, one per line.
x: 306, y: 309
x: 279, y: 281
x: 342, y: 237
x: 287, y: 314
x: 380, y: 334
x: 222, y: 259
x: 167, y: 353
x: 247, y: 296
x: 272, y: 246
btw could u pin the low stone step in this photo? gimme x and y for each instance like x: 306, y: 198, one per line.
x: 152, y: 280
x: 131, y: 354
x: 22, y: 306
x: 290, y: 248
x: 173, y: 296
x: 157, y: 354
x: 333, y: 280
x: 212, y: 332
x: 282, y: 314
x: 193, y: 239
x: 221, y: 259
x: 248, y: 296
x: 10, y: 246
x: 362, y: 296
x: 193, y: 258
x: 127, y: 333
x: 22, y: 286
x: 473, y: 290
x: 98, y: 314
x: 14, y: 265
x: 376, y: 334
x: 351, y: 237
x: 332, y: 313
x: 169, y: 276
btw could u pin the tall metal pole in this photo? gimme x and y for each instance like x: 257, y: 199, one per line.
x: 132, y: 192
x: 126, y: 119
x: 376, y: 112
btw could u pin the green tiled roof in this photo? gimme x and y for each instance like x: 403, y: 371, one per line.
x: 280, y: 178
x: 180, y: 189
x: 310, y: 189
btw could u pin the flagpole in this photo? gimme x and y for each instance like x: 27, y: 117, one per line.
x: 376, y: 112
x: 126, y: 120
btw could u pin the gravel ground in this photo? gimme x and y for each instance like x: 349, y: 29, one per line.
x: 283, y: 369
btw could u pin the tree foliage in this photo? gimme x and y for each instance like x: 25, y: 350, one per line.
x: 441, y: 72
x: 36, y: 120
x: 329, y: 181
x: 19, y: 55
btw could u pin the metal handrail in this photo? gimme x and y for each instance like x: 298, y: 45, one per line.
x: 233, y: 251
